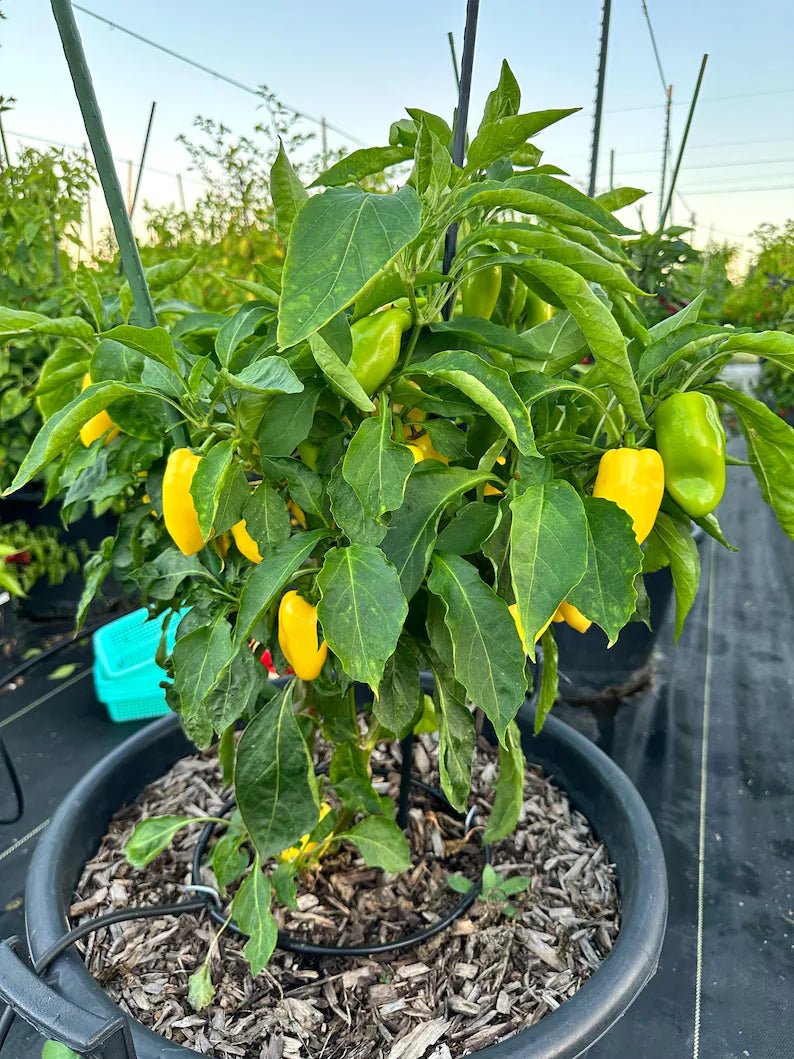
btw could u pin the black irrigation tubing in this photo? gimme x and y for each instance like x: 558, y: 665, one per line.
x: 90, y: 927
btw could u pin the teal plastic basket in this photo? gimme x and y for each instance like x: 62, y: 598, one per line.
x: 126, y: 677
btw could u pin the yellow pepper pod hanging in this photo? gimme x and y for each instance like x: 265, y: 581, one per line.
x: 304, y: 845
x: 634, y: 480
x: 297, y: 636
x: 179, y: 511
x: 513, y: 608
x: 245, y: 542
x: 98, y: 425
x: 574, y: 617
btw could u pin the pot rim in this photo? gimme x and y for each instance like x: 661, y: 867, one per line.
x: 582, y: 770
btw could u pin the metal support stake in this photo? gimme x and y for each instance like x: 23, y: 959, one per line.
x: 89, y: 217
x: 612, y: 169
x: 143, y: 158
x: 407, y: 748
x: 97, y: 137
x: 461, y: 121
x: 599, y: 105
x: 324, y: 135
x: 454, y: 54
x: 665, y: 147
x: 3, y: 141
x: 181, y: 192
x: 687, y: 127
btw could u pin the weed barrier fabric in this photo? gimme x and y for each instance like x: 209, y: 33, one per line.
x: 733, y: 665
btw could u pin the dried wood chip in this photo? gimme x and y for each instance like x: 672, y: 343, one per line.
x: 418, y: 1040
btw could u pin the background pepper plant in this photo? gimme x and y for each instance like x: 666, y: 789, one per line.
x: 372, y: 493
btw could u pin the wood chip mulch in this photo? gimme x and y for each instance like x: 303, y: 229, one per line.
x: 480, y: 981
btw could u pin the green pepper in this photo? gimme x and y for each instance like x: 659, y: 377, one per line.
x: 480, y: 292
x: 376, y: 346
x: 691, y: 440
x: 536, y: 311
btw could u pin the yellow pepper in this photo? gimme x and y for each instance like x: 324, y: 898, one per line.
x: 634, y: 480
x: 98, y: 425
x: 304, y: 845
x: 297, y: 636
x: 297, y: 515
x: 245, y: 542
x: 425, y: 446
x: 513, y: 608
x: 573, y: 617
x: 179, y: 511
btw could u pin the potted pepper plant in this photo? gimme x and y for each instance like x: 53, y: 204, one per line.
x: 369, y: 486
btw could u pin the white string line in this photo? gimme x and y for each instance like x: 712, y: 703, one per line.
x: 38, y: 702
x: 25, y: 838
x: 704, y: 757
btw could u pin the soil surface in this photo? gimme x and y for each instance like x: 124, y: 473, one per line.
x: 485, y: 978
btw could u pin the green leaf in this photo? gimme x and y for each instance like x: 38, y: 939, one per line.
x: 348, y: 513
x: 19, y: 321
x: 675, y: 537
x: 152, y: 342
x: 548, y: 552
x: 162, y: 275
x: 269, y: 375
x: 228, y: 860
x: 236, y: 692
x: 151, y: 837
x: 289, y: 420
x: 472, y: 525
x: 409, y: 542
x: 95, y: 571
x: 61, y: 429
x: 549, y: 682
x: 289, y: 194
x: 167, y: 571
x: 684, y: 317
x: 777, y: 346
x: 436, y: 124
x: 770, y: 447
x: 266, y: 517
x: 505, y: 98
x: 350, y: 778
x: 459, y: 883
x: 265, y: 582
x: 208, y: 481
x: 200, y: 660
x: 239, y: 328
x: 606, y: 341
x: 227, y: 748
x: 433, y: 164
x: 251, y: 910
x: 375, y: 466
x: 381, y: 843
x: 304, y: 485
x: 340, y: 239
x: 457, y: 738
x: 710, y: 525
x: 200, y: 989
x: 489, y: 658
x: 274, y: 779
x: 282, y: 879
x: 362, y: 609
x: 606, y: 593
x: 54, y: 1050
x: 487, y: 333
x: 342, y: 380
x: 360, y: 164
x: 509, y: 788
x: 500, y: 137
x: 398, y: 701
x: 489, y: 387
x: 618, y: 198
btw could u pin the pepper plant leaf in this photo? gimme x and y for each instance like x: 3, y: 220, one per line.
x: 368, y: 161
x: 457, y: 738
x: 274, y: 778
x: 501, y: 136
x: 362, y: 609
x: 287, y: 191
x: 489, y: 387
x: 339, y: 240
x: 606, y: 593
x: 505, y: 98
x: 153, y: 342
x: 674, y: 535
x: 381, y: 843
x: 289, y: 420
x: 339, y: 376
x: 399, y: 694
x: 375, y: 466
x: 770, y: 449
x: 348, y: 513
x: 409, y: 542
x: 251, y: 910
x: 548, y: 552
x: 509, y: 788
x: 200, y: 659
x: 549, y: 679
x: 488, y: 656
x: 207, y: 483
x: 266, y: 517
x: 151, y: 837
x: 239, y: 328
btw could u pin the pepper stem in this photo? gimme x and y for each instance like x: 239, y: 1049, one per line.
x: 629, y: 439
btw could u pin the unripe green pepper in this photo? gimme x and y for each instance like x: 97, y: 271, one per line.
x: 376, y: 346
x: 536, y: 311
x: 691, y: 440
x: 480, y: 292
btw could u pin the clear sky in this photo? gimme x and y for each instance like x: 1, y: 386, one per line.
x: 359, y: 63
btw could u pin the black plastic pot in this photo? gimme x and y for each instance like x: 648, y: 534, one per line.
x: 595, y: 785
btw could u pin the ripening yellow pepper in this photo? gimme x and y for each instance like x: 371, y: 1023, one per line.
x: 304, y: 845
x: 634, y: 480
x: 179, y: 511
x: 297, y: 636
x: 98, y: 425
x: 573, y: 617
x: 245, y: 542
x: 513, y: 608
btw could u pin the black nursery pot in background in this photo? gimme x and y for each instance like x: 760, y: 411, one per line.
x: 594, y: 784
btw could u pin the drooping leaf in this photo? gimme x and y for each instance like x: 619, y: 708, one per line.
x: 362, y: 163
x: 348, y: 513
x: 606, y: 593
x: 381, y: 843
x: 151, y: 837
x: 509, y: 788
x: 266, y: 517
x: 289, y: 420
x: 200, y: 659
x: 362, y: 609
x: 456, y: 739
x: 200, y: 990
x: 675, y: 537
x: 339, y: 240
x: 237, y: 329
x: 549, y: 682
x: 251, y: 910
x: 489, y: 658
x: 398, y: 700
x: 229, y: 861
x: 339, y: 376
x: 548, y: 552
x: 274, y: 778
x: 207, y: 483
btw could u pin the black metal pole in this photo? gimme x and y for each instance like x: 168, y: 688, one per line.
x: 599, y: 104
x: 665, y: 147
x: 407, y: 748
x: 461, y: 121
x: 143, y: 158
x: 687, y: 127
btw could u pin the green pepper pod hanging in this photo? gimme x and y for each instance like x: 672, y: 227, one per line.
x: 691, y: 440
x: 480, y: 292
x: 376, y: 346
